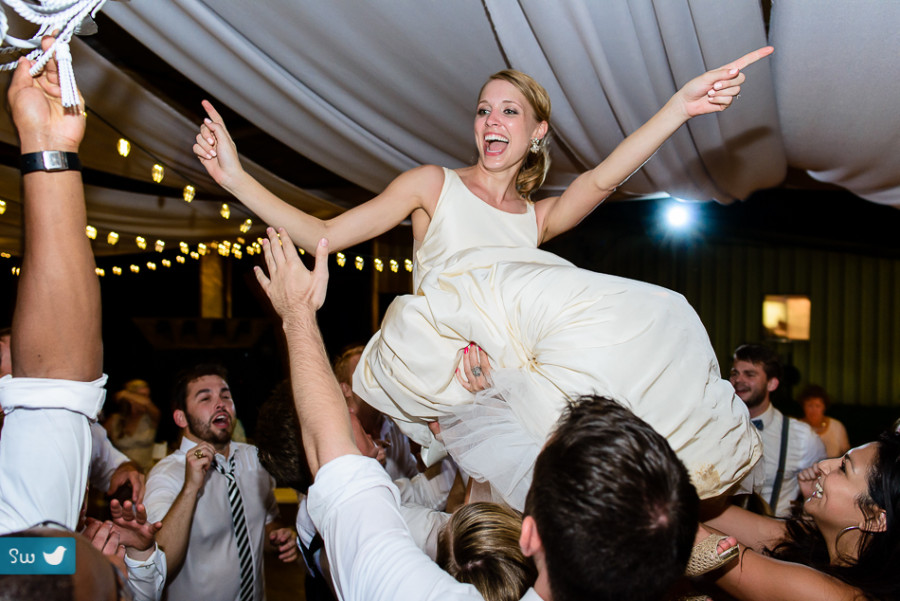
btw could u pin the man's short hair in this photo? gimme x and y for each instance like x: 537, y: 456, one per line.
x: 179, y: 394
x: 341, y: 363
x: 614, y: 506
x: 279, y: 443
x: 760, y: 355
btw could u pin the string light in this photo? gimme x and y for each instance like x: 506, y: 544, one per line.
x: 195, y: 255
x: 2, y: 206
x: 16, y: 271
x: 117, y: 270
x: 180, y: 259
x: 166, y: 262
x: 394, y: 266
x: 5, y: 255
x: 407, y: 265
x: 100, y: 271
x: 245, y: 227
x: 359, y: 263
x: 301, y: 251
x: 151, y: 266
x: 379, y: 265
x: 225, y: 211
x: 159, y: 246
x: 141, y: 242
x: 91, y: 232
x: 123, y: 146
x: 236, y: 252
x: 184, y: 248
x: 341, y: 259
x: 112, y: 238
x: 188, y: 194
x: 135, y: 268
x: 157, y: 173
x: 201, y: 249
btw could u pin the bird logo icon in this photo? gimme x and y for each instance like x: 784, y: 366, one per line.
x: 55, y: 558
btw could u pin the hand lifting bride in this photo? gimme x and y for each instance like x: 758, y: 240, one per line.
x: 552, y: 330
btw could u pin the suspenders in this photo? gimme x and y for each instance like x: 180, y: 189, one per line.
x: 782, y: 457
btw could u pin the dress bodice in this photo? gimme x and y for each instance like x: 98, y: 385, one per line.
x: 462, y: 221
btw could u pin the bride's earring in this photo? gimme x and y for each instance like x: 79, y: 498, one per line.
x: 535, y: 145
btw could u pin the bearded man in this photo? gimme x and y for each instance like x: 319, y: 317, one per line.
x: 215, y: 501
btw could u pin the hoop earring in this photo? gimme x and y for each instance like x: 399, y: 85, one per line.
x: 535, y: 145
x: 842, y: 533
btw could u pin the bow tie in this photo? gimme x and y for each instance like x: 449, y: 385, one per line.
x: 758, y: 423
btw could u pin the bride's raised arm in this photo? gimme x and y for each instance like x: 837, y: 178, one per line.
x: 711, y: 92
x: 412, y: 190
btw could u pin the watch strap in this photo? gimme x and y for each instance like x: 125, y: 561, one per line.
x: 49, y: 160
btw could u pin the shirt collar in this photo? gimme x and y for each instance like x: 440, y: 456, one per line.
x: 767, y: 416
x: 187, y: 444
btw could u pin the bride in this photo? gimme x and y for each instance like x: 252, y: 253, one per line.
x: 558, y: 330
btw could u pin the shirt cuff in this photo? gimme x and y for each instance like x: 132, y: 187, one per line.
x: 85, y: 398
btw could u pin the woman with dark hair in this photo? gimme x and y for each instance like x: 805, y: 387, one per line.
x: 479, y: 275
x: 844, y: 544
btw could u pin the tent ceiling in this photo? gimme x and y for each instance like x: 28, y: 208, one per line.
x: 336, y: 98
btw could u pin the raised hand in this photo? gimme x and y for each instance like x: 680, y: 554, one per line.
x: 716, y: 90
x: 37, y: 111
x: 215, y: 148
x: 130, y: 521
x: 105, y: 538
x: 197, y: 462
x: 290, y: 286
x: 128, y: 472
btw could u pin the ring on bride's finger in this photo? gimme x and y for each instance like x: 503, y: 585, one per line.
x: 198, y: 454
x: 476, y: 371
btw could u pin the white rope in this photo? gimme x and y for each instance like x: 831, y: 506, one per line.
x: 64, y: 16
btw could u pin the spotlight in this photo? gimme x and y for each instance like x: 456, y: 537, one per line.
x: 678, y: 216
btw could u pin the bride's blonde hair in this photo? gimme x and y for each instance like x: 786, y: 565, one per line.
x: 536, y: 165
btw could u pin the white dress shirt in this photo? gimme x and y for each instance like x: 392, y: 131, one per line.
x: 372, y: 556
x: 105, y: 458
x: 804, y: 449
x: 210, y: 569
x: 45, y: 449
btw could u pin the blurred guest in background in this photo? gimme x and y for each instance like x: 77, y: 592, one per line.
x: 814, y: 400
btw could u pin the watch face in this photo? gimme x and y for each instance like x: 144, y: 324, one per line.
x: 54, y: 160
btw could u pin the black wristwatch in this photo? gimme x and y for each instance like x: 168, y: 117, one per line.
x: 49, y: 160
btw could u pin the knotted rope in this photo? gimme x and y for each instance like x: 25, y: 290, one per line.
x: 68, y: 17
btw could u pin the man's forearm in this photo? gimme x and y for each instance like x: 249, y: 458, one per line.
x: 324, y: 420
x: 176, y: 529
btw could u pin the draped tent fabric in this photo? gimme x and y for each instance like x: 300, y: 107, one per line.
x: 838, y: 83
x: 370, y: 89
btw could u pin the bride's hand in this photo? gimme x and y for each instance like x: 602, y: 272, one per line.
x: 476, y: 369
x: 716, y: 90
x: 215, y: 148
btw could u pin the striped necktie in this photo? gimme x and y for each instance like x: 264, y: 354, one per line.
x: 241, y: 535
